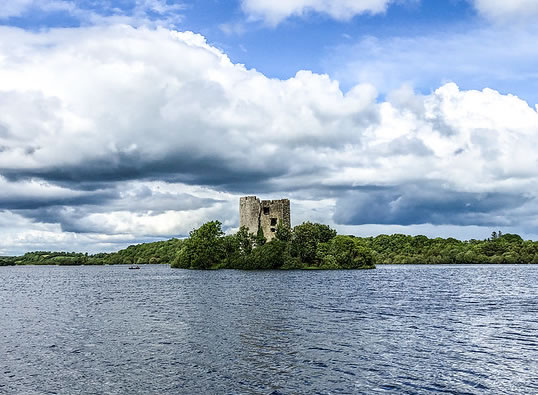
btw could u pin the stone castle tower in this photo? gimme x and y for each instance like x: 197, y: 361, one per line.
x: 265, y: 214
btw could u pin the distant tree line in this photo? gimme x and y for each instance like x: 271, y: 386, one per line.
x: 156, y: 252
x: 47, y: 258
x: 309, y: 245
x: 141, y: 254
x: 498, y: 249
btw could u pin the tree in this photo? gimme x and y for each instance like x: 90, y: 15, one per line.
x: 324, y: 233
x: 305, y: 240
x: 260, y: 237
x: 245, y: 240
x: 349, y: 254
x: 283, y: 233
x: 363, y: 258
x: 510, y: 238
x: 271, y: 255
x: 203, y: 249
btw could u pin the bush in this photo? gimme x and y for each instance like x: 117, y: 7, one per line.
x: 305, y: 240
x: 347, y: 253
x: 203, y: 249
x: 271, y: 255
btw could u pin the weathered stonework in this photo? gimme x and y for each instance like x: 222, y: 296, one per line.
x: 266, y: 214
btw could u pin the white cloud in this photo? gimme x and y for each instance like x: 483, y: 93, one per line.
x: 135, y: 12
x: 101, y: 114
x: 237, y: 28
x: 154, y: 93
x: 30, y: 189
x: 508, y: 10
x: 273, y: 12
x: 19, y: 235
x: 14, y: 8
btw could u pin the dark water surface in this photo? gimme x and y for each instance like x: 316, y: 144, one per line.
x: 397, y: 329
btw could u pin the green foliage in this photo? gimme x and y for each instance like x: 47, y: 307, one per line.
x: 245, y: 240
x: 498, y: 249
x: 157, y: 252
x: 53, y: 258
x: 271, y: 255
x: 344, y: 252
x: 260, y: 237
x: 312, y: 246
x: 305, y: 239
x: 283, y: 233
x: 203, y: 249
x: 140, y: 254
x: 292, y: 263
x: 7, y: 261
x: 309, y: 245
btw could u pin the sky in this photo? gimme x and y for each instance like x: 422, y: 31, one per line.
x: 138, y: 120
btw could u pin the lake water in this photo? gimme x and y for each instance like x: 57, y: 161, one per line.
x: 396, y: 329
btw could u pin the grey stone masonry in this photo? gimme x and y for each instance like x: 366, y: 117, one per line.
x: 266, y: 214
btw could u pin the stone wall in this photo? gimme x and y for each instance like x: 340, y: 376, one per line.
x: 249, y: 213
x: 266, y: 214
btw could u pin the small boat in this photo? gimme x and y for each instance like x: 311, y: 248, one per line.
x: 134, y: 267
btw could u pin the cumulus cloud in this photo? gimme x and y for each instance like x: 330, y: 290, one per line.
x: 508, y: 11
x: 274, y: 12
x: 155, y: 102
x: 126, y: 133
x: 14, y: 8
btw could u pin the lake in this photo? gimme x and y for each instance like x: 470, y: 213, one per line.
x: 396, y: 329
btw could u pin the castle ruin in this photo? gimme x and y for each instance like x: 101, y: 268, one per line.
x: 264, y: 214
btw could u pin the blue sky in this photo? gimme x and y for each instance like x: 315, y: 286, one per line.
x: 134, y: 120
x: 318, y: 42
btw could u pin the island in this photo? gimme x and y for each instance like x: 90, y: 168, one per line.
x: 306, y: 246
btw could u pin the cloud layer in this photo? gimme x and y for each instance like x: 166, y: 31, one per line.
x: 121, y: 133
x: 134, y: 12
x: 274, y: 12
x: 508, y: 11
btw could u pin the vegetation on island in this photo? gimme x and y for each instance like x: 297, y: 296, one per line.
x: 307, y: 246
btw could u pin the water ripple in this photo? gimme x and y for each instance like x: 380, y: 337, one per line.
x: 398, y: 329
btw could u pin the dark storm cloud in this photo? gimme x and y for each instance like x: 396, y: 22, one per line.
x: 426, y: 203
x: 181, y: 167
x: 72, y: 216
x: 38, y: 201
x: 70, y: 219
